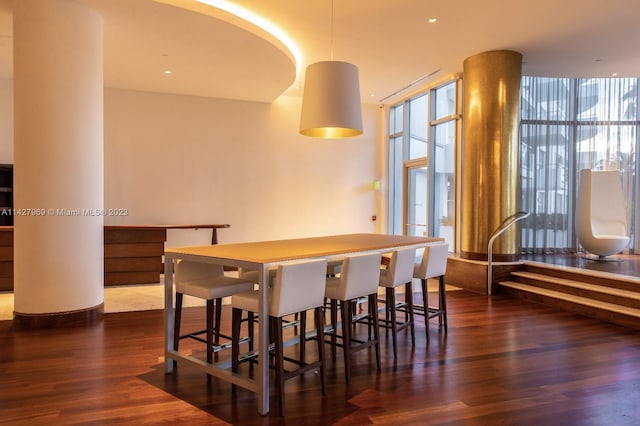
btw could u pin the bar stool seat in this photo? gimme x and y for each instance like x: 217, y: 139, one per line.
x: 210, y: 289
x: 208, y: 282
x: 252, y: 275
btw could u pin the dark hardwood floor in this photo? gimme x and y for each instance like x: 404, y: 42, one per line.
x: 503, y: 362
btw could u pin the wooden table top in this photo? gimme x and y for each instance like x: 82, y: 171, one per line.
x: 300, y: 248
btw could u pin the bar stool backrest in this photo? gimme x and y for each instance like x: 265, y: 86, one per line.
x: 359, y: 276
x: 434, y: 261
x: 186, y: 271
x: 400, y: 270
x: 298, y: 287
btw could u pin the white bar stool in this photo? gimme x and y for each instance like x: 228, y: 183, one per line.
x: 399, y: 272
x: 297, y: 287
x: 359, y: 277
x: 433, y: 265
x: 205, y: 281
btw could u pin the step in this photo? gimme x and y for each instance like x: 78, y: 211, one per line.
x: 610, y: 312
x: 608, y: 279
x: 614, y: 294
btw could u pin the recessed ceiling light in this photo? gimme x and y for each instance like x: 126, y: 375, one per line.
x: 433, y: 20
x: 615, y: 74
x: 167, y: 72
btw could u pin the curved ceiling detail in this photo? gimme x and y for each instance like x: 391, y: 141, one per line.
x: 165, y: 46
x: 243, y: 18
x: 397, y: 48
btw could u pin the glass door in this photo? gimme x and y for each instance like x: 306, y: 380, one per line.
x: 417, y: 201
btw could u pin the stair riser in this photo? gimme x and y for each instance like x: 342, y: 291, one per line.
x: 594, y: 295
x: 604, y: 315
x: 608, y: 282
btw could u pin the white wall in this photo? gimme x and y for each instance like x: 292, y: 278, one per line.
x: 6, y: 121
x: 181, y: 159
x: 173, y: 159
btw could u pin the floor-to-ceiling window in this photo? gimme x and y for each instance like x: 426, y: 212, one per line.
x: 443, y: 128
x: 408, y: 187
x: 422, y: 135
x: 415, y: 166
x: 567, y: 125
x: 396, y: 136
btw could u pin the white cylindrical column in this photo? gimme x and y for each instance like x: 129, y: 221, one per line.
x: 58, y: 170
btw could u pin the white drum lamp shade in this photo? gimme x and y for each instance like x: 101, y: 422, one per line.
x: 331, y: 106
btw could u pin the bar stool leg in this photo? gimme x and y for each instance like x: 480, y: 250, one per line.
x: 209, y: 335
x: 443, y: 302
x: 334, y: 326
x: 177, y: 320
x: 369, y: 320
x: 302, y: 336
x: 345, y: 307
x: 217, y: 320
x: 319, y: 314
x: 279, y: 361
x: 408, y: 293
x: 425, y: 303
x: 391, y: 314
x: 354, y: 308
x: 236, y: 323
x: 209, y: 331
x: 250, y: 333
x: 373, y: 313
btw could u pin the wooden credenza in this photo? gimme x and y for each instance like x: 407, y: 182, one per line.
x: 133, y: 254
x: 6, y: 258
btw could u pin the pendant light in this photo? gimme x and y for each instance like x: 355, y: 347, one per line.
x: 331, y: 100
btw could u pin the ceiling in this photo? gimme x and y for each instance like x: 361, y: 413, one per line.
x: 211, y: 53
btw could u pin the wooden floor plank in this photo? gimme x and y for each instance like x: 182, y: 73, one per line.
x: 504, y: 361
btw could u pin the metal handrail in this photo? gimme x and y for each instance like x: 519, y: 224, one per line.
x: 503, y: 227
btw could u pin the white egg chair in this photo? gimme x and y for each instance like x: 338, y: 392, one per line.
x: 601, y: 217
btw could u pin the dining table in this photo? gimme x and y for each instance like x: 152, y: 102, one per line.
x: 262, y: 256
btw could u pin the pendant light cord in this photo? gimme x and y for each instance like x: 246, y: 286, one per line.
x: 332, y: 30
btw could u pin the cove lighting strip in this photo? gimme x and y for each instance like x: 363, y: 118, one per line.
x: 259, y: 21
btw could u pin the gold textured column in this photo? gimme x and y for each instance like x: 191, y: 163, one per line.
x: 490, y: 160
